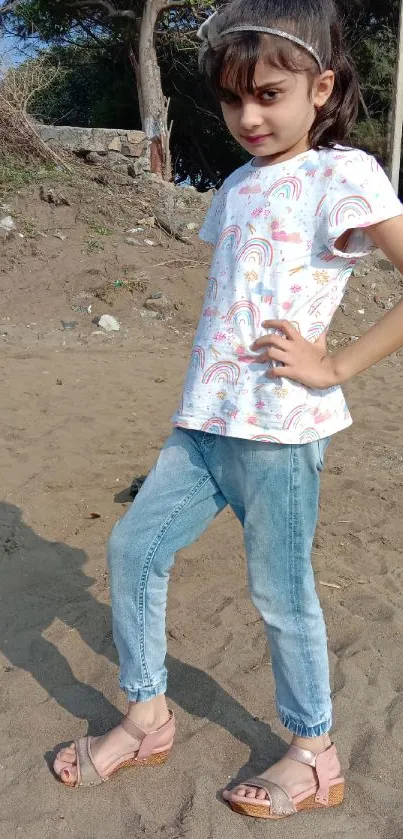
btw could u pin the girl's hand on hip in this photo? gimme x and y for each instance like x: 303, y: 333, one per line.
x: 301, y: 360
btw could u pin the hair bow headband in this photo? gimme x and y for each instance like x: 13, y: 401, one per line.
x: 211, y: 36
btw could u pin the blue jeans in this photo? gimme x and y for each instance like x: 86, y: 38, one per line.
x: 274, y: 491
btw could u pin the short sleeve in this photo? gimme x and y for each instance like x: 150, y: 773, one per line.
x: 211, y: 228
x: 359, y: 195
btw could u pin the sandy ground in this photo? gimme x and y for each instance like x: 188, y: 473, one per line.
x: 81, y: 416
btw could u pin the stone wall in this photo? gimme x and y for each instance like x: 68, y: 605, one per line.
x: 114, y: 148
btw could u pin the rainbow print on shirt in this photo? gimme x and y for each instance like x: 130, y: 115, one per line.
x: 309, y: 435
x: 315, y: 331
x: 265, y: 438
x: 230, y: 237
x: 256, y: 252
x: 226, y: 372
x: 212, y: 289
x: 215, y: 425
x: 197, y: 358
x: 288, y: 189
x: 348, y: 209
x: 244, y: 313
x: 293, y: 419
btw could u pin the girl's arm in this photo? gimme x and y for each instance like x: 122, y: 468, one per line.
x: 311, y: 364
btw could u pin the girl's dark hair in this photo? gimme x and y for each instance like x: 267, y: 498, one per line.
x: 233, y: 58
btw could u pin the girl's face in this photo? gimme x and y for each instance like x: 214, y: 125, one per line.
x: 273, y: 122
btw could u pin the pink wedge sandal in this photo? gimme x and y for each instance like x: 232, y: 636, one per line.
x: 154, y: 750
x: 328, y: 791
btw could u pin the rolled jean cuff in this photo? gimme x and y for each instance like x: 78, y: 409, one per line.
x: 301, y: 729
x: 145, y: 692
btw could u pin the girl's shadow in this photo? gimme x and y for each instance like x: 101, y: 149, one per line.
x: 201, y: 696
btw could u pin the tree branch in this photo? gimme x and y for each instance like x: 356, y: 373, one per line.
x: 90, y: 34
x: 9, y: 7
x: 105, y: 4
x: 174, y: 4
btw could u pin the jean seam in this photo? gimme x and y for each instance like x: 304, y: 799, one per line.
x: 155, y: 544
x: 295, y: 470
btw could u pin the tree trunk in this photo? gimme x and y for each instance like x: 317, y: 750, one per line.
x: 153, y: 106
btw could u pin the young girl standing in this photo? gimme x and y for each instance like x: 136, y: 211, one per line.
x: 262, y: 396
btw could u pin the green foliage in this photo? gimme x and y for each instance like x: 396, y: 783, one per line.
x: 94, y: 87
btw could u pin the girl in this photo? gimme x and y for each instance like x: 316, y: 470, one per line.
x: 262, y: 396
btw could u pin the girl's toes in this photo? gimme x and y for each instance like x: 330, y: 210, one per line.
x: 67, y: 755
x: 68, y: 774
x: 64, y: 765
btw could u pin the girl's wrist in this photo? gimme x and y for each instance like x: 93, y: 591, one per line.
x: 335, y: 375
x: 338, y: 372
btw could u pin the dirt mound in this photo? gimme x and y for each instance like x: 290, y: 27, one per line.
x: 89, y: 243
x: 83, y: 245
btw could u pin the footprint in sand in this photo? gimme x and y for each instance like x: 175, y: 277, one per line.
x: 362, y: 750
x: 217, y: 655
x: 342, y: 644
x: 369, y: 606
x: 394, y: 718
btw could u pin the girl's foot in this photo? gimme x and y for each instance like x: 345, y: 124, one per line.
x: 117, y: 745
x: 292, y: 776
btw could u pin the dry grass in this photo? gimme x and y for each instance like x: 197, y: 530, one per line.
x: 18, y: 136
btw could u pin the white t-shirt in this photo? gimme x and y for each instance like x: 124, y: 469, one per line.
x: 274, y: 229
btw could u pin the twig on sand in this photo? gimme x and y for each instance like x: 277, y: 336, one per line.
x: 193, y: 264
x: 329, y: 585
x: 167, y: 227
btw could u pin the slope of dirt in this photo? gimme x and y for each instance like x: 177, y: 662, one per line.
x: 83, y: 412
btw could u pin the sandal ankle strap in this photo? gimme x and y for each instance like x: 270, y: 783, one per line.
x: 149, y: 740
x: 302, y: 755
x: 321, y: 763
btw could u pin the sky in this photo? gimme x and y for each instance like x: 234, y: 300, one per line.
x: 13, y: 51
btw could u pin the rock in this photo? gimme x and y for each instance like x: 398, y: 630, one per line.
x: 385, y: 265
x: 7, y: 223
x: 163, y: 306
x: 149, y: 221
x: 132, y: 149
x: 147, y: 313
x: 135, y: 169
x: 172, y: 226
x: 115, y: 144
x: 94, y: 159
x: 109, y: 323
x: 117, y: 162
x: 88, y: 139
x: 50, y: 196
x: 135, y: 137
x: 136, y: 485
